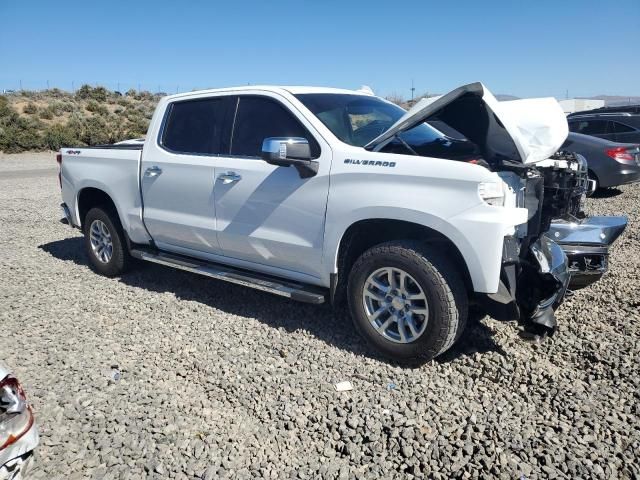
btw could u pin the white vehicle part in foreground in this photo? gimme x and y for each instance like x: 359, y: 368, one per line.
x: 11, y: 449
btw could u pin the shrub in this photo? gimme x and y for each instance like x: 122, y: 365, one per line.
x: 67, y: 106
x: 57, y: 108
x: 86, y: 92
x: 395, y: 98
x: 56, y: 93
x: 5, y: 108
x: 95, y: 107
x: 137, y: 128
x: 46, y: 114
x: 18, y: 134
x: 144, y: 95
x: 30, y: 108
x: 58, y: 136
x: 99, y: 94
x: 95, y: 131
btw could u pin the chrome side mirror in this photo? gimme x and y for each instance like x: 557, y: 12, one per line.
x: 286, y: 152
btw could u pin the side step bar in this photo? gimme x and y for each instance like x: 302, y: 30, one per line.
x: 266, y: 283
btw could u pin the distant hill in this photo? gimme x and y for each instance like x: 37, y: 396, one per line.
x: 51, y: 119
x: 504, y: 98
x: 616, y: 100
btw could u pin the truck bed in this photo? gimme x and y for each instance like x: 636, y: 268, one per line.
x: 113, y: 169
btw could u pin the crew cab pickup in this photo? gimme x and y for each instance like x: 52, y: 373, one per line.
x: 322, y: 194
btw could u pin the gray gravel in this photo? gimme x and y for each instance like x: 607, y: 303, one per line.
x: 168, y: 375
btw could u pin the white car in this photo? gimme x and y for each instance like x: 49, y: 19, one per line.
x: 18, y: 430
x: 323, y: 194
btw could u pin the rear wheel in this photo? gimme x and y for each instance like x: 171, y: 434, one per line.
x: 105, y: 243
x: 407, y: 300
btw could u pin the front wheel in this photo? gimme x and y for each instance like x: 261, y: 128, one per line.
x: 105, y: 243
x: 407, y: 300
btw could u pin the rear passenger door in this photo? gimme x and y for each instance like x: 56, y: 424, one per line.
x: 267, y: 216
x: 178, y: 175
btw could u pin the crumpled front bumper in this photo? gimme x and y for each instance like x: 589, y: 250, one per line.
x: 553, y: 269
x: 586, y: 243
x: 532, y: 285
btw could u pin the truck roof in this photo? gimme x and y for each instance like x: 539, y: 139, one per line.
x: 294, y: 90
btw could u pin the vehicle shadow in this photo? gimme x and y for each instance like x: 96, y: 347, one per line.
x: 331, y: 325
x: 606, y: 193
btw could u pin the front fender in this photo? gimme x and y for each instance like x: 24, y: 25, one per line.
x: 478, y: 233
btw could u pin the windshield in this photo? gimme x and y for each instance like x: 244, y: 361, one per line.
x: 358, y: 119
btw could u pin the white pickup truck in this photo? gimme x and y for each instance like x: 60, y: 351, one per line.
x: 323, y: 194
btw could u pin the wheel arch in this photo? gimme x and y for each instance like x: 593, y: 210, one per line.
x: 90, y: 197
x: 366, y: 233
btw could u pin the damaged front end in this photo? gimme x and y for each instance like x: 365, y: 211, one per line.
x: 558, y: 249
x: 520, y: 140
x: 536, y: 271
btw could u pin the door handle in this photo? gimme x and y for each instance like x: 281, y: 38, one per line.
x: 152, y: 171
x: 229, y: 177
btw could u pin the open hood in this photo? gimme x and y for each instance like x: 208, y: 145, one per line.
x: 526, y: 131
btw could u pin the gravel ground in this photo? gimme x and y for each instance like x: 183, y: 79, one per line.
x: 218, y: 381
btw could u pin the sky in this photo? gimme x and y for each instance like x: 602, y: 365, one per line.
x: 523, y: 48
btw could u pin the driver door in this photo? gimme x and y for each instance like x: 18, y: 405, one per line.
x: 267, y: 215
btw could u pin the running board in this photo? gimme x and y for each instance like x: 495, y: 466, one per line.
x: 266, y: 283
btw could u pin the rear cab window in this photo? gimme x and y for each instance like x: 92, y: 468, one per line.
x: 195, y: 127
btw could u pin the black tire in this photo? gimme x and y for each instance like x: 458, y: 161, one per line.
x: 120, y: 259
x: 439, y: 279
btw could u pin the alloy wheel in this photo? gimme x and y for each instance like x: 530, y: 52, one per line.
x: 101, y: 243
x: 395, y: 305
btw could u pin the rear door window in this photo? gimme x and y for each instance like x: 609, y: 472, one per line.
x: 589, y: 127
x: 258, y: 118
x: 195, y: 127
x: 621, y: 127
